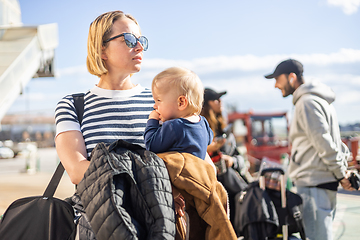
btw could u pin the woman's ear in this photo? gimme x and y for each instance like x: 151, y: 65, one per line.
x: 182, y: 103
x: 103, y: 54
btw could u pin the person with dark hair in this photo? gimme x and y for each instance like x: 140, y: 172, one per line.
x: 318, y: 157
x: 223, y: 152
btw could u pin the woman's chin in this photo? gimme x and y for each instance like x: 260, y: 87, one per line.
x: 137, y: 68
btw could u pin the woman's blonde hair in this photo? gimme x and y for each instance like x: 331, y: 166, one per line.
x: 99, y: 31
x: 185, y: 82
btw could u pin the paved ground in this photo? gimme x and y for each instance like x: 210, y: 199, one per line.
x: 16, y: 183
x: 347, y: 216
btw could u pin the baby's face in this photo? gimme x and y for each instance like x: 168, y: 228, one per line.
x: 166, y: 104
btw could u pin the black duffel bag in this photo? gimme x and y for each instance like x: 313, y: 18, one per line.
x: 40, y: 217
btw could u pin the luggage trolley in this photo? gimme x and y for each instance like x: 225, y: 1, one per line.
x: 267, y: 210
x: 262, y: 185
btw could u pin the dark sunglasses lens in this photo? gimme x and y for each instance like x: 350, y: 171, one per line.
x: 130, y: 40
x: 144, y: 42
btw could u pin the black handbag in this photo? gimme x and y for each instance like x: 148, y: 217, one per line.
x: 232, y: 181
x: 40, y: 217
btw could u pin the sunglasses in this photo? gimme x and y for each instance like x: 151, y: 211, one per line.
x: 131, y: 41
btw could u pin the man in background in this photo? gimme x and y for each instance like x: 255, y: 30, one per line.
x: 318, y: 161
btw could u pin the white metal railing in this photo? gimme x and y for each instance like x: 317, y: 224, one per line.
x: 18, y: 74
x: 21, y: 70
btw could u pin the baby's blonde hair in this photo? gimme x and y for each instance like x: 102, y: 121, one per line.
x: 99, y: 31
x: 185, y: 82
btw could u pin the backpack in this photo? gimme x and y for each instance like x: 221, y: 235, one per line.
x: 259, y: 214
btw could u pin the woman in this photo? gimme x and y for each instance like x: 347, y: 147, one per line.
x: 223, y: 149
x: 113, y: 58
x: 115, y: 108
x: 212, y: 111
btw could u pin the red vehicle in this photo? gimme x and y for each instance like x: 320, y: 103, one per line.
x: 353, y: 145
x: 263, y: 134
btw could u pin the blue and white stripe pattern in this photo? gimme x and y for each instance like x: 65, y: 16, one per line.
x: 109, y: 115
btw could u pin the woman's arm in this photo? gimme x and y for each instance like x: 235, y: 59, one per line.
x: 70, y: 147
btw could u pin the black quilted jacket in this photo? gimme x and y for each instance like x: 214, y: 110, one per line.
x: 126, y: 193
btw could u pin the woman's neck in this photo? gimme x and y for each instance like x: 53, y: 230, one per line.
x: 115, y: 82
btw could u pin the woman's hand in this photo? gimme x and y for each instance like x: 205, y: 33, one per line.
x: 154, y: 115
x: 229, y: 161
x: 179, y: 202
x: 179, y: 205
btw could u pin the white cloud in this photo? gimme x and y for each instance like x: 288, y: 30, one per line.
x: 348, y: 6
x: 241, y: 76
x: 349, y: 97
x: 343, y: 56
x: 344, y: 80
x: 253, y: 63
x: 246, y: 63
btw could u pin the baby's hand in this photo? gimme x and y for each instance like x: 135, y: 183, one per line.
x: 154, y: 115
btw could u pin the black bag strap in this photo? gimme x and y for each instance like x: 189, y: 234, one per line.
x: 54, y: 182
x: 55, y: 179
x: 79, y: 105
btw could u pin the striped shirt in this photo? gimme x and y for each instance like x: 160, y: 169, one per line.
x: 109, y: 115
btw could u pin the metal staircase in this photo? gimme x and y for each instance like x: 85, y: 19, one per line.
x: 25, y: 52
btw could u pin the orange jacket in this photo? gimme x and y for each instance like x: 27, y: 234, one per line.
x: 205, y: 198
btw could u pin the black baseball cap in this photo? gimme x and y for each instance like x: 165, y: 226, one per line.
x: 211, y: 95
x: 287, y: 66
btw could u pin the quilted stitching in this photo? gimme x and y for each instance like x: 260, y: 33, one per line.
x: 127, y: 194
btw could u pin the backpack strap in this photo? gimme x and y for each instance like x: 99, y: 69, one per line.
x: 54, y: 182
x: 79, y: 105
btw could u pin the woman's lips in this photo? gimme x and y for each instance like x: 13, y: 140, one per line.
x: 138, y: 58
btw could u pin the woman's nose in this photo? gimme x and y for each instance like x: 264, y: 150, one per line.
x: 139, y: 47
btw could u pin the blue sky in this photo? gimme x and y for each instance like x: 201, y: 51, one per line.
x: 231, y: 45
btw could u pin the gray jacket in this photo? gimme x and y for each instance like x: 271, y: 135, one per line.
x: 317, y: 153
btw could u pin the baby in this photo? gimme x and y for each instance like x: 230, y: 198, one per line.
x: 178, y: 95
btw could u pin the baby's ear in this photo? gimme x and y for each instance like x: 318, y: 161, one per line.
x: 182, y: 102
